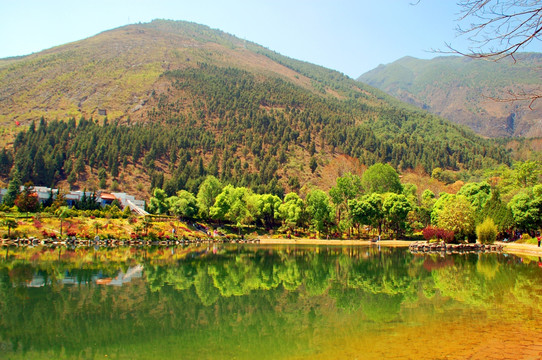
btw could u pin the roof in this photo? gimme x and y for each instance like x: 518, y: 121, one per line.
x: 105, y: 196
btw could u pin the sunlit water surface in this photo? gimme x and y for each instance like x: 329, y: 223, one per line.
x: 256, y: 302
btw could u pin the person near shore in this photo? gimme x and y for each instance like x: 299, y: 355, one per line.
x: 539, y: 238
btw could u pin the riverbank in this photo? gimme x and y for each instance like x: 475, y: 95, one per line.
x: 512, y: 248
x: 305, y: 241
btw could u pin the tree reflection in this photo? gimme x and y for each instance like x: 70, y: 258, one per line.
x: 216, y: 296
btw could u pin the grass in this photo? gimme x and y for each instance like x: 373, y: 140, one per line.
x: 40, y: 226
x: 527, y: 239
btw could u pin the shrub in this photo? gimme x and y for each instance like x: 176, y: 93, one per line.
x: 487, y: 231
x: 430, y: 233
x: 447, y: 235
x: 527, y: 239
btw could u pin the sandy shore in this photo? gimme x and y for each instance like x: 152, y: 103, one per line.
x: 522, y: 249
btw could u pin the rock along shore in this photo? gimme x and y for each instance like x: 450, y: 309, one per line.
x: 112, y: 242
x: 425, y: 247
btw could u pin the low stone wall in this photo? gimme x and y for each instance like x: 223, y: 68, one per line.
x: 425, y: 247
x: 113, y: 242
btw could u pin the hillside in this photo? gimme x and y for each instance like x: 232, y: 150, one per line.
x: 460, y: 89
x: 183, y: 101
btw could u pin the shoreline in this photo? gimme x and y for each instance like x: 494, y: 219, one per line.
x: 531, y: 250
x: 522, y: 249
x: 305, y: 241
x: 511, y: 248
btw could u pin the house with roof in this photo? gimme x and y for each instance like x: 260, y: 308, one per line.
x: 44, y: 193
x: 106, y: 198
x: 75, y: 196
x: 137, y: 206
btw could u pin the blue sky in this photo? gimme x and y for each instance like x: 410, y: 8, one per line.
x: 345, y: 35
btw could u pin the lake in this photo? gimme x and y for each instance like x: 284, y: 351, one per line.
x: 267, y: 302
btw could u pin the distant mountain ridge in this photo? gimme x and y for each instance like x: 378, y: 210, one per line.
x: 460, y: 89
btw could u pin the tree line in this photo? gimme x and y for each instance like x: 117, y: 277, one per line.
x: 377, y: 203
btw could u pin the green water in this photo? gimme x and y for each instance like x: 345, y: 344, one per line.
x: 255, y: 302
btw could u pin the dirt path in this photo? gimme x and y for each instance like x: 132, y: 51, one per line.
x: 522, y: 249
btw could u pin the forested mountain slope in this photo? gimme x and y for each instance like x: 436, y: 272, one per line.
x: 463, y: 90
x: 184, y: 101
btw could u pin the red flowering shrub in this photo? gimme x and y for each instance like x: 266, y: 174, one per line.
x: 430, y: 233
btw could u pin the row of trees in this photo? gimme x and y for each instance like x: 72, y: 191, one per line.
x: 377, y: 201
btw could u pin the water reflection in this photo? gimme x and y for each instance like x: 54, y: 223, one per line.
x: 245, y: 301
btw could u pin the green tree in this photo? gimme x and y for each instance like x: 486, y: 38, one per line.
x: 10, y: 224
x: 347, y: 187
x: 396, y: 208
x: 438, y: 206
x: 234, y: 205
x: 291, y: 210
x: 477, y: 193
x: 526, y: 173
x: 208, y: 191
x: 320, y: 210
x: 368, y: 211
x: 72, y: 179
x: 486, y: 231
x: 457, y: 215
x: 62, y: 213
x: 426, y: 207
x: 526, y: 208
x: 14, y: 188
x: 6, y: 161
x: 313, y: 164
x: 497, y: 210
x: 269, y: 209
x: 80, y: 165
x: 157, y: 203
x: 102, y: 176
x: 381, y: 178
x: 183, y: 205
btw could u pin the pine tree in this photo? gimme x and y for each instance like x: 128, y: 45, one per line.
x: 14, y: 188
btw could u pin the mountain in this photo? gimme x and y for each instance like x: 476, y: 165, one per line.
x: 167, y: 103
x: 464, y: 90
x: 117, y: 70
